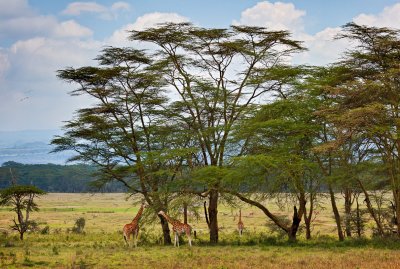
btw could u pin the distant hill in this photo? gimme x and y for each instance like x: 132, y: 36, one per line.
x: 30, y: 147
x: 54, y: 178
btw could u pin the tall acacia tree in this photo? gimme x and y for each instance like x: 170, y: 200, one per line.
x: 368, y: 102
x: 277, y: 159
x: 218, y: 74
x: 126, y: 133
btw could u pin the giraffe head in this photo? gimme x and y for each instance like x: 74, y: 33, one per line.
x: 144, y: 204
x: 161, y: 213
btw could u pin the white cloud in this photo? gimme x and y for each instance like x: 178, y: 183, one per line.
x: 322, y: 48
x: 31, y: 96
x: 120, y: 36
x: 389, y: 17
x: 14, y: 8
x: 106, y: 13
x: 120, y: 6
x: 18, y: 27
x: 77, y: 8
x: 71, y: 29
x: 275, y: 16
x: 4, y: 64
x: 31, y: 92
x: 39, y: 58
x: 25, y: 27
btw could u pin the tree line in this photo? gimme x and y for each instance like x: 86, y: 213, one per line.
x: 54, y: 178
x: 221, y: 113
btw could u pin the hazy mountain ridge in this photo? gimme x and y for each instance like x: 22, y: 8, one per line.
x: 30, y: 147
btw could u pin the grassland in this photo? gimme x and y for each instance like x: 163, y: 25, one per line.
x: 102, y: 245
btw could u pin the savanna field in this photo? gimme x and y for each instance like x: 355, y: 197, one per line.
x: 102, y: 246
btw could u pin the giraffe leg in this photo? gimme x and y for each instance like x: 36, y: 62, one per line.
x: 190, y: 239
x: 175, y: 239
x: 136, y: 237
x: 126, y: 242
x: 128, y: 239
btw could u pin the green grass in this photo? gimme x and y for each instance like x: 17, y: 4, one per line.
x: 102, y: 245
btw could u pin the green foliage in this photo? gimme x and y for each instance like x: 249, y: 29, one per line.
x: 21, y: 198
x: 19, y: 192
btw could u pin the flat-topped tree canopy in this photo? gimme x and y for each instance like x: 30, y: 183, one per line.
x: 220, y: 77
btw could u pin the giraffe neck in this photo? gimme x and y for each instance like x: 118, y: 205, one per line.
x: 168, y: 219
x: 240, y: 215
x: 139, y: 214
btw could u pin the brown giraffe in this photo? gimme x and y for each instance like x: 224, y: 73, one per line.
x: 133, y: 227
x: 178, y: 228
x: 240, y: 223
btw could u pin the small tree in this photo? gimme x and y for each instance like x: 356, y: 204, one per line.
x: 20, y: 198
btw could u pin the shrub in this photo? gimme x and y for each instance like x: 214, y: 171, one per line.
x: 79, y: 225
x: 45, y: 230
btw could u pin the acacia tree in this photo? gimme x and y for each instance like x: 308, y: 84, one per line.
x: 127, y: 133
x: 21, y: 198
x: 217, y: 75
x: 277, y: 160
x: 367, y: 103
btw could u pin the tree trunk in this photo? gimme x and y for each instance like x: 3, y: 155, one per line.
x: 336, y: 214
x: 213, y: 216
x: 166, y: 232
x: 206, y: 215
x: 271, y: 216
x: 308, y: 217
x: 307, y: 221
x: 21, y: 235
x: 308, y: 231
x: 397, y: 209
x: 371, y: 209
x: 358, y: 218
x: 295, y: 225
x: 185, y: 221
x: 347, y: 210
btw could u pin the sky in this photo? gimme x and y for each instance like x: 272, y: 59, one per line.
x: 39, y: 37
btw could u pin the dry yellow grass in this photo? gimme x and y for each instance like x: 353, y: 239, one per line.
x: 102, y: 245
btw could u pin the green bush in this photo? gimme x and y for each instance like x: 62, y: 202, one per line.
x: 45, y: 230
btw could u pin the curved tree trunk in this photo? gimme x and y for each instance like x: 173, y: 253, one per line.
x: 371, y: 209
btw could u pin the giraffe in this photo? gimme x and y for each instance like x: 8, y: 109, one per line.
x: 178, y: 228
x: 133, y: 227
x: 240, y: 223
